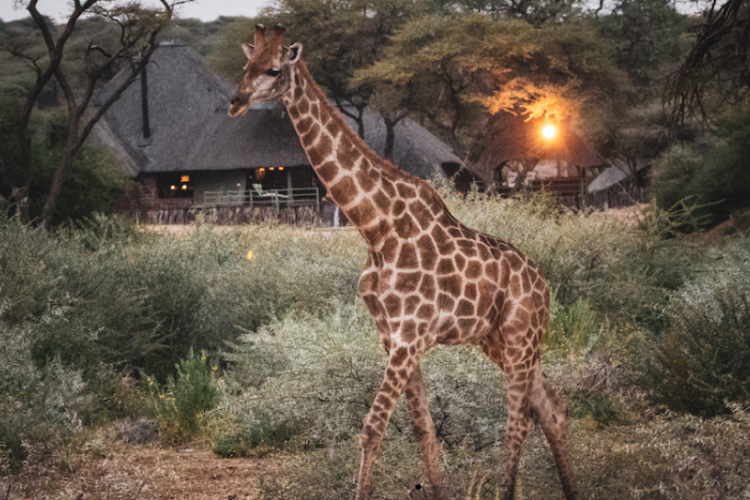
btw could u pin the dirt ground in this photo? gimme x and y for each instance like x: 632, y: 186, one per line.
x: 143, y: 473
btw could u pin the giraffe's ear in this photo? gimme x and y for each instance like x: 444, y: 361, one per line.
x: 248, y: 50
x: 293, y: 53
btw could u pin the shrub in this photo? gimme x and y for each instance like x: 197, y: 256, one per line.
x: 704, y: 359
x: 180, y: 406
x: 573, y: 329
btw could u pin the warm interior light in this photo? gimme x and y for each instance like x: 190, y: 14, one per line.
x: 238, y: 184
x: 549, y: 131
x: 184, y: 178
x: 281, y: 168
x: 261, y: 170
x: 270, y: 168
x: 173, y: 187
x: 184, y: 187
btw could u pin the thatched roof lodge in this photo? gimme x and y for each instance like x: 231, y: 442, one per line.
x: 172, y: 134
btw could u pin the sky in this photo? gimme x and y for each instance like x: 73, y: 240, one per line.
x: 205, y: 10
x: 208, y: 10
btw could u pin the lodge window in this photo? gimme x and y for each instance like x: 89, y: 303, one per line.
x: 175, y: 185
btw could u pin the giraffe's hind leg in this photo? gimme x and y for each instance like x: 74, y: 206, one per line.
x: 551, y: 414
x: 424, y: 432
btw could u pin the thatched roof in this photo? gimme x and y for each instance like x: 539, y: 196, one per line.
x: 190, y: 129
x: 511, y: 138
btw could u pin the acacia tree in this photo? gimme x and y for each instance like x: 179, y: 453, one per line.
x: 454, y: 71
x: 138, y: 29
x: 716, y: 72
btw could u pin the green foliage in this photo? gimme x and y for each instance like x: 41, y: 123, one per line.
x: 714, y: 175
x: 180, y: 406
x: 703, y: 360
x: 573, y: 329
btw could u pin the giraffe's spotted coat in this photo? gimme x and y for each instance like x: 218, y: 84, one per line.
x: 428, y: 280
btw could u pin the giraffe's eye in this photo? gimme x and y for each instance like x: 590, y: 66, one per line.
x: 273, y: 72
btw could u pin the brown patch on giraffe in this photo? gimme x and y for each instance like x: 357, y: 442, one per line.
x: 427, y: 253
x: 303, y: 105
x: 467, y: 324
x: 362, y: 214
x: 381, y: 201
x: 366, y: 180
x: 465, y: 308
x: 492, y: 271
x: 445, y: 266
x: 455, y: 232
x: 398, y: 356
x: 392, y: 304
x: 315, y: 110
x: 344, y: 191
x: 346, y: 154
x: 333, y: 128
x: 484, y: 252
x: 407, y: 258
x: 298, y: 93
x: 427, y: 287
x: 408, y: 330
x: 399, y: 207
x: 468, y: 247
x: 470, y: 291
x: 451, y: 336
x: 406, y: 228
x: 473, y: 270
x: 323, y: 148
x: 304, y: 125
x: 514, y: 261
x: 388, y: 187
x: 407, y: 282
x: 450, y: 284
x: 293, y: 111
x: 421, y: 214
x: 311, y: 135
x: 405, y: 190
x: 426, y: 311
x: 389, y: 249
x: 460, y: 261
x: 411, y: 303
x: 327, y: 171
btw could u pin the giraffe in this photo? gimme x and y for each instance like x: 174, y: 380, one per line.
x: 428, y: 279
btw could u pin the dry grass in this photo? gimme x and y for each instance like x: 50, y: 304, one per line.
x: 112, y: 471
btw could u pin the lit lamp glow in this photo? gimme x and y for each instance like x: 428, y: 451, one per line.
x: 549, y: 131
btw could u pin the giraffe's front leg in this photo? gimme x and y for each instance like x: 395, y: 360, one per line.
x: 401, y: 366
x: 424, y: 432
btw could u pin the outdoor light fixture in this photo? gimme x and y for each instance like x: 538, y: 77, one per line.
x: 549, y: 131
x: 270, y: 168
x: 281, y: 168
x: 173, y: 187
x: 184, y: 187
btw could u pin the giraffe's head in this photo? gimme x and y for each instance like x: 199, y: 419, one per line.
x: 268, y: 72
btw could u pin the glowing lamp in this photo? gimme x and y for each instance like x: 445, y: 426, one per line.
x: 549, y: 131
x: 173, y: 187
x: 184, y: 187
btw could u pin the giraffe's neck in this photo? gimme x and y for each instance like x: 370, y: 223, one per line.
x: 365, y: 187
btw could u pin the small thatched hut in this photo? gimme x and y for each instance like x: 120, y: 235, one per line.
x: 172, y: 134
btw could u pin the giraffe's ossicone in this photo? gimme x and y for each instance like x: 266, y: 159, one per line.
x: 428, y: 279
